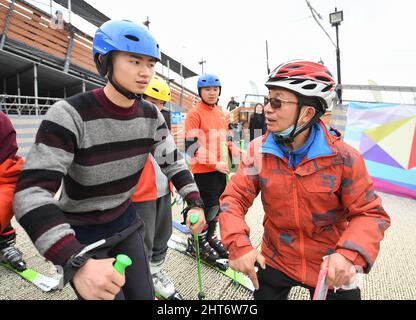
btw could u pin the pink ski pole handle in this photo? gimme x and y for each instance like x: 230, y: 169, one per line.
x: 321, y: 289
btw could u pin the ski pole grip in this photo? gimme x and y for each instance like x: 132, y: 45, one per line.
x: 193, y: 218
x: 122, y: 262
x: 242, y: 142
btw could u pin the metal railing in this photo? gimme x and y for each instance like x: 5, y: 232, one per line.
x: 25, y: 105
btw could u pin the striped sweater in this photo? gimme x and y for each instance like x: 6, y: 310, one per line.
x: 97, y: 150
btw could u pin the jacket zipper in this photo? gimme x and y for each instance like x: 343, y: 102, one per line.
x: 301, y: 237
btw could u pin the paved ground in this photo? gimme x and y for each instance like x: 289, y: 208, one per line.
x: 392, y: 277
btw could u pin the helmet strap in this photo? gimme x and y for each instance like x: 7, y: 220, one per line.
x: 297, y: 130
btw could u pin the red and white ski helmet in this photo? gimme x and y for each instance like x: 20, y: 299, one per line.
x: 309, y: 79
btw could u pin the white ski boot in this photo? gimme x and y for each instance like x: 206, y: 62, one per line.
x: 164, y: 287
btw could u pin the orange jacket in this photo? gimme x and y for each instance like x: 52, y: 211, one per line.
x: 146, y: 188
x: 326, y: 205
x: 9, y: 173
x: 209, y: 126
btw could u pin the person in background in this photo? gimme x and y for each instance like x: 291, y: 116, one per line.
x: 206, y: 130
x: 232, y: 104
x: 257, y: 125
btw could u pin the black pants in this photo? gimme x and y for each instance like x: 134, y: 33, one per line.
x: 139, y: 284
x: 275, y: 285
x: 211, y: 186
x: 7, y: 236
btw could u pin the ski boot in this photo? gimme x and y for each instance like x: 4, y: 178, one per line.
x: 164, y: 287
x: 208, y: 254
x: 217, y: 245
x: 9, y: 254
x: 214, y: 242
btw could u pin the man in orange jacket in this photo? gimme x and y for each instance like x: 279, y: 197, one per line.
x: 321, y: 211
x: 10, y: 167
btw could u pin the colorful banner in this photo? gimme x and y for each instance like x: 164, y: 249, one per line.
x: 385, y: 135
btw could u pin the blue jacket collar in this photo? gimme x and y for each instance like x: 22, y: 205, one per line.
x: 317, y: 147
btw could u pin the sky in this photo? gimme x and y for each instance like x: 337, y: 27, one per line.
x: 376, y: 37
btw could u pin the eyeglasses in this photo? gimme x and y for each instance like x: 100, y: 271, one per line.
x: 276, y: 103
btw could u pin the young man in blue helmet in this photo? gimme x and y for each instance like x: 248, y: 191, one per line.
x: 206, y: 130
x: 97, y: 144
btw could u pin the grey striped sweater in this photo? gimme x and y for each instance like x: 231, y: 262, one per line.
x: 97, y: 150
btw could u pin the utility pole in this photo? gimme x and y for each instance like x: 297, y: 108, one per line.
x: 267, y: 58
x: 336, y: 18
x: 202, y: 62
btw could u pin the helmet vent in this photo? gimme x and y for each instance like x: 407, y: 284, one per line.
x: 297, y: 81
x: 322, y: 79
x: 277, y: 79
x: 310, y: 86
x: 293, y: 67
x: 327, y: 88
x: 132, y: 38
x: 155, y: 89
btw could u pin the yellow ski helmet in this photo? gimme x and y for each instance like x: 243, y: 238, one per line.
x: 158, y: 89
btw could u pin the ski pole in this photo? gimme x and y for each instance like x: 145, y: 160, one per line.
x: 224, y: 155
x: 194, y: 219
x: 122, y: 262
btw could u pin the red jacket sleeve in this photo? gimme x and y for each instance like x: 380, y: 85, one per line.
x: 237, y: 198
x: 9, y: 173
x: 360, y: 242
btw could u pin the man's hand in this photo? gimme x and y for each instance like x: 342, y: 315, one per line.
x: 245, y: 264
x: 98, y: 280
x: 341, y: 271
x: 199, y: 226
x: 222, y: 167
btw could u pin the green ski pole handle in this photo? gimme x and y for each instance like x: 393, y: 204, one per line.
x: 224, y: 155
x: 242, y: 142
x: 122, y: 262
x: 193, y: 218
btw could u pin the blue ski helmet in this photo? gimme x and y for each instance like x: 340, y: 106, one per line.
x: 208, y: 80
x: 122, y: 35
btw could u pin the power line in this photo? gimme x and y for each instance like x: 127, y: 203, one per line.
x: 314, y: 14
